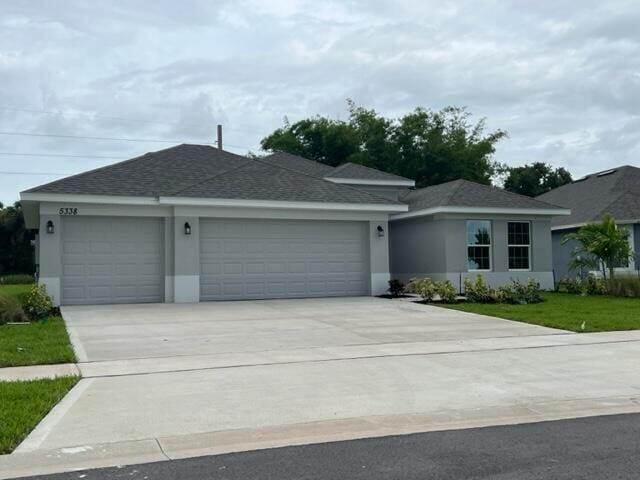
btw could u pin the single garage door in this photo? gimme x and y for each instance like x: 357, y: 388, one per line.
x: 112, y: 260
x: 251, y: 259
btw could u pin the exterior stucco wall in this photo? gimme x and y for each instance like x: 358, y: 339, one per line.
x: 50, y: 256
x: 437, y: 247
x: 379, y: 257
x: 636, y: 236
x: 562, y: 254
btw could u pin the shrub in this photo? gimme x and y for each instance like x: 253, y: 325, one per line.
x: 624, y: 286
x: 478, y: 291
x: 396, y: 288
x: 16, y: 279
x: 520, y: 293
x: 37, y: 303
x: 595, y: 285
x: 423, y: 287
x: 446, y: 291
x: 570, y: 285
x: 10, y: 310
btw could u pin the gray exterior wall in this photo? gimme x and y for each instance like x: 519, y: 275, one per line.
x: 636, y: 236
x: 436, y: 246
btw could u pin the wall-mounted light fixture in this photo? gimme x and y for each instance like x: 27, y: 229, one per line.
x: 380, y: 231
x: 50, y: 227
x: 187, y: 228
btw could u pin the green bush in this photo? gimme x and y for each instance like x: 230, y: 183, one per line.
x: 16, y: 279
x: 570, y: 285
x: 520, y: 293
x: 624, y: 286
x: 11, y: 310
x: 37, y: 303
x: 595, y: 285
x: 396, y: 288
x: 446, y: 291
x: 423, y: 287
x: 478, y: 291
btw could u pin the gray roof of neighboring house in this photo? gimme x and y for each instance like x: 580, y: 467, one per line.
x: 354, y: 171
x: 463, y: 193
x: 615, y: 191
x: 204, y: 171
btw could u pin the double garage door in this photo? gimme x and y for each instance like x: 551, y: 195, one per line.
x: 252, y: 259
x: 121, y: 260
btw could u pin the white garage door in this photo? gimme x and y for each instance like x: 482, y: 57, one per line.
x: 250, y: 259
x: 112, y: 260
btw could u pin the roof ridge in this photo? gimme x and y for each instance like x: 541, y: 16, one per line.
x: 322, y: 179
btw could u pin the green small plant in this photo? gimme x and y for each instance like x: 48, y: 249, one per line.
x: 570, y: 285
x: 624, y: 286
x: 16, y: 279
x: 11, y: 310
x: 396, y: 288
x: 425, y: 287
x: 37, y: 303
x: 446, y: 291
x: 595, y: 285
x: 478, y: 291
x: 520, y: 293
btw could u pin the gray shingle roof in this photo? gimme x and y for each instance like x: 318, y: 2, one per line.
x: 207, y: 172
x: 463, y: 193
x: 301, y: 164
x: 616, y: 193
x: 354, y: 171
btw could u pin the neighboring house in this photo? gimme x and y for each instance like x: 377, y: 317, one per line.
x: 615, y: 191
x: 194, y: 223
x: 460, y: 229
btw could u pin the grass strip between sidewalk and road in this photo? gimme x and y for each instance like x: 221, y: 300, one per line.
x: 566, y: 311
x: 24, y: 403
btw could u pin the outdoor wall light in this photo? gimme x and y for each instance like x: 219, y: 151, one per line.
x: 187, y: 228
x: 50, y: 227
x: 380, y: 231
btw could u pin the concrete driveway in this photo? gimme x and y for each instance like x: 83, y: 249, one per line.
x: 170, y: 380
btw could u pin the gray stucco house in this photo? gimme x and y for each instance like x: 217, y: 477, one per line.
x: 194, y: 223
x: 616, y: 192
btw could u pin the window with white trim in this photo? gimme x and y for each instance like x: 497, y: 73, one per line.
x: 519, y: 245
x: 479, y: 244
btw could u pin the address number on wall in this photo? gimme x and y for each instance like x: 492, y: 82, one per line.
x: 68, y: 211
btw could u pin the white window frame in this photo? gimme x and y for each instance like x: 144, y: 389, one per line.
x: 513, y: 245
x: 490, y: 245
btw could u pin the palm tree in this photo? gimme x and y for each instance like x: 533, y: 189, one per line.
x: 600, y: 245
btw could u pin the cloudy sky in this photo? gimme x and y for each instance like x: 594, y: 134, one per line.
x: 562, y: 77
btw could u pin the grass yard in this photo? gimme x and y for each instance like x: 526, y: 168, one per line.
x: 23, y: 404
x: 568, y: 312
x: 36, y: 343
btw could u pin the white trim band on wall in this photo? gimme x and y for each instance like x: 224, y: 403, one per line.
x: 482, y: 211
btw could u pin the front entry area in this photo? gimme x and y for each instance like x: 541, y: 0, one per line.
x: 257, y: 259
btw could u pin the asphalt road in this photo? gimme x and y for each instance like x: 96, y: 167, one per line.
x: 592, y: 448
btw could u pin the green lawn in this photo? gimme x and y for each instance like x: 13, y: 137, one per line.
x: 36, y: 343
x: 24, y: 404
x: 568, y: 312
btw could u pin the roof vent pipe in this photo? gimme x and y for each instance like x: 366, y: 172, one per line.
x: 220, y: 137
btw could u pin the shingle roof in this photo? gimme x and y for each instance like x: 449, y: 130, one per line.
x: 463, y: 193
x: 301, y: 164
x: 615, y: 191
x: 207, y: 172
x: 354, y: 171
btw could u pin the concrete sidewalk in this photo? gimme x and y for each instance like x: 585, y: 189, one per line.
x: 34, y: 372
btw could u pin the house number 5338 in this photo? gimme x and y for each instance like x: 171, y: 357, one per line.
x: 68, y: 211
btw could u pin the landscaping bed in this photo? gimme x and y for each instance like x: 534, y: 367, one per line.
x: 24, y: 403
x: 43, y: 341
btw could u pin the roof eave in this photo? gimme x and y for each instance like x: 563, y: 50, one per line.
x: 550, y: 212
x: 382, y: 183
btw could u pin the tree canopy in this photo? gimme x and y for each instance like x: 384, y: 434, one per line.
x: 534, y: 179
x: 428, y: 146
x: 16, y: 251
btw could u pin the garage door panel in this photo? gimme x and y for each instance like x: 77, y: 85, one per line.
x: 112, y: 260
x: 279, y: 259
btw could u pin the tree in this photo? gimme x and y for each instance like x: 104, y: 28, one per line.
x: 16, y: 251
x: 428, y: 146
x: 600, y: 245
x: 534, y: 179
